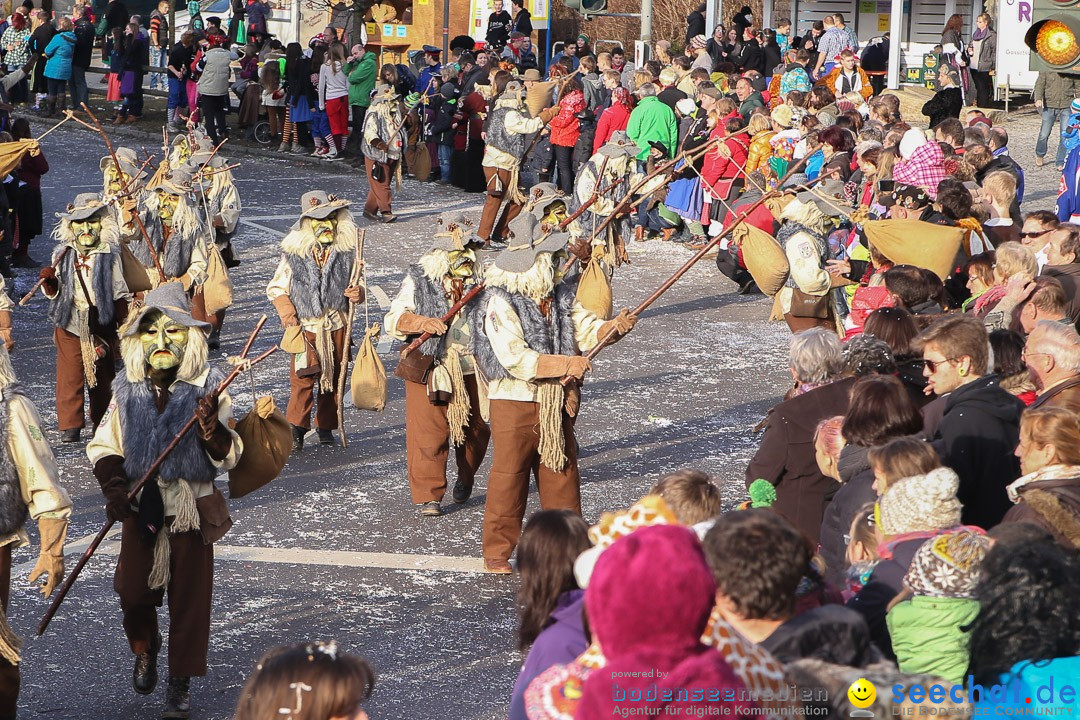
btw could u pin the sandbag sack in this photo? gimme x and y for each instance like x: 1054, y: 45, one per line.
x: 217, y: 290
x: 594, y: 290
x: 369, y: 375
x: 267, y: 440
x: 913, y: 242
x: 765, y: 259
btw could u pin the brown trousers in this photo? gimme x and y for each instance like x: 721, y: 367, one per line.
x: 70, y: 383
x: 9, y: 674
x: 492, y: 203
x: 427, y: 442
x: 190, y: 590
x: 515, y: 433
x: 302, y: 390
x: 378, y: 197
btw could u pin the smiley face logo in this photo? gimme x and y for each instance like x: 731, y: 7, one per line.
x: 862, y: 693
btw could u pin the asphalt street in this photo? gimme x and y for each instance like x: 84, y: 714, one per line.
x: 334, y: 549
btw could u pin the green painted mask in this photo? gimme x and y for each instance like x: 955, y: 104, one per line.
x: 116, y: 180
x: 556, y: 213
x: 462, y: 263
x: 324, y: 230
x: 87, y: 232
x: 163, y: 340
x: 558, y: 262
x: 167, y: 203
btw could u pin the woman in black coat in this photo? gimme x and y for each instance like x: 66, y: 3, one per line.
x: 695, y: 23
x: 948, y: 101
x: 39, y: 40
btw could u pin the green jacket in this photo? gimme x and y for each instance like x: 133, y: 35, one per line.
x: 653, y: 121
x: 361, y: 79
x: 927, y: 638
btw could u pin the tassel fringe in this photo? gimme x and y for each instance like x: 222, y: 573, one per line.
x: 552, y: 443
x: 457, y: 412
x: 186, y: 519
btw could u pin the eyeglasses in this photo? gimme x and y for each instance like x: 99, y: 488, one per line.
x: 933, y: 365
x: 1024, y: 354
x: 1036, y: 234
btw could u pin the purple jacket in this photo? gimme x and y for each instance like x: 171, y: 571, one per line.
x: 557, y: 644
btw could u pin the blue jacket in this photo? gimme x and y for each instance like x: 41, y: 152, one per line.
x: 425, y: 85
x: 1068, y: 202
x: 60, y: 51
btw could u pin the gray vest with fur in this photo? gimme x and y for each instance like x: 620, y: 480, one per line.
x: 176, y: 259
x: 100, y: 285
x: 554, y: 335
x: 13, y: 510
x: 790, y: 228
x: 316, y: 291
x: 430, y: 302
x: 146, y: 432
x: 502, y: 139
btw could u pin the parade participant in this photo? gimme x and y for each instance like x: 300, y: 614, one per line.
x: 527, y: 330
x: 124, y: 191
x: 547, y: 203
x: 178, y: 235
x: 381, y: 146
x: 222, y: 200
x: 167, y: 542
x: 442, y: 400
x: 85, y: 283
x: 508, y: 126
x: 310, y: 291
x: 31, y: 482
x: 616, y: 160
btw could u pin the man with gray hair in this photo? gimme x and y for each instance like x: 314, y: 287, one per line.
x: 786, y: 455
x: 1052, y: 355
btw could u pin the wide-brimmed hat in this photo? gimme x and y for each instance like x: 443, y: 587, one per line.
x: 174, y: 182
x: 455, y: 231
x: 171, y: 300
x: 526, y: 240
x: 129, y: 163
x: 318, y: 205
x: 541, y: 197
x: 86, y: 205
x: 383, y: 92
x: 531, y: 74
x: 619, y: 144
x: 829, y: 196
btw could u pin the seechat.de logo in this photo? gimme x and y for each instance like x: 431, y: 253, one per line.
x: 862, y: 694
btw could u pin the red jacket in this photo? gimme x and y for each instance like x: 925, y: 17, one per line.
x: 718, y: 171
x: 614, y: 118
x: 565, y: 127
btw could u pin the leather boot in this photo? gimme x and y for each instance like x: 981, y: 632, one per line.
x: 639, y: 233
x: 463, y: 490
x: 177, y: 699
x: 144, y: 678
x: 326, y: 437
x: 298, y: 434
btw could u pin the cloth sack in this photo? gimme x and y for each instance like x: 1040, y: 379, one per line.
x: 217, y: 290
x: 135, y: 275
x: 594, y: 290
x: 764, y: 258
x: 539, y: 97
x: 267, y: 440
x: 369, y: 374
x: 419, y: 159
x: 127, y: 83
x: 913, y: 242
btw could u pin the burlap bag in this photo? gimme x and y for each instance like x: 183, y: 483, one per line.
x: 369, y: 374
x: 217, y: 290
x: 267, y: 442
x: 135, y: 275
x: 764, y: 258
x: 540, y: 97
x: 594, y: 290
x: 913, y: 242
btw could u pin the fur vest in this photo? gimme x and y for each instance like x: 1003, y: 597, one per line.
x: 790, y: 228
x: 317, y: 291
x: 146, y: 432
x: 500, y: 137
x: 175, y: 260
x: 13, y: 510
x: 101, y: 286
x: 554, y: 335
x: 431, y: 301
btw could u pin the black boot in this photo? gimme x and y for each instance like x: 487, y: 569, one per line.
x: 144, y: 677
x: 213, y: 342
x: 177, y: 699
x: 298, y: 434
x: 326, y: 437
x: 463, y: 490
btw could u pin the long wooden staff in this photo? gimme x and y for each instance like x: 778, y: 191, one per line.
x: 741, y: 218
x: 343, y: 370
x: 149, y: 475
x: 63, y: 253
x: 97, y: 127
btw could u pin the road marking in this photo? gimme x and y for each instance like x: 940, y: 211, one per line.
x: 296, y: 556
x: 257, y: 226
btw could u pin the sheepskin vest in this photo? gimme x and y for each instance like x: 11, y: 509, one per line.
x: 554, y: 335
x: 147, y: 432
x: 787, y: 230
x: 316, y: 291
x: 175, y: 260
x: 13, y: 510
x: 100, y: 285
x: 500, y: 137
x: 430, y: 301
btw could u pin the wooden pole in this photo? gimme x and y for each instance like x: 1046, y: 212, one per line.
x: 147, y: 476
x: 346, y: 343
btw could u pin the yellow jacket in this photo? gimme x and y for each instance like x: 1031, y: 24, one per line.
x: 760, y: 151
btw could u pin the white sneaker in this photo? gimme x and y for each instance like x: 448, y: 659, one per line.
x: 332, y: 154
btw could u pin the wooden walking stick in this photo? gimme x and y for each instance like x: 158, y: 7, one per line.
x: 151, y: 473
x: 647, y: 302
x: 346, y: 343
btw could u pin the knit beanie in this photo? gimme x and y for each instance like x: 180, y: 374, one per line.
x: 921, y: 503
x: 948, y: 565
x: 912, y: 140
